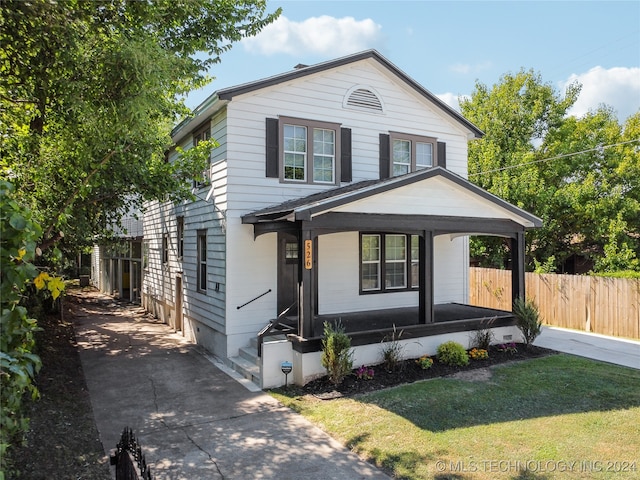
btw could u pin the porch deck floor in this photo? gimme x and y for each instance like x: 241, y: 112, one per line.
x: 403, y: 317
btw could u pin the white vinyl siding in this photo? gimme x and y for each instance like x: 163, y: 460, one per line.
x: 320, y: 97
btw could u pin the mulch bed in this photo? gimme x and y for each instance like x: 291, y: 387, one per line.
x: 409, y: 371
x: 63, y: 441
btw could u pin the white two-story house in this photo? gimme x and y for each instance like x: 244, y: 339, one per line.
x: 338, y: 191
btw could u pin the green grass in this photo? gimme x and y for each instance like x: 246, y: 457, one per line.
x: 554, y: 417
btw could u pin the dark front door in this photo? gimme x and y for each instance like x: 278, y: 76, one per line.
x: 288, y: 265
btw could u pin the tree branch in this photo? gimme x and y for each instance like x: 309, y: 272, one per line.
x: 48, y: 239
x: 17, y: 100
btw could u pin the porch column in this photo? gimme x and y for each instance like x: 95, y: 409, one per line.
x: 306, y: 301
x: 425, y: 300
x: 517, y: 266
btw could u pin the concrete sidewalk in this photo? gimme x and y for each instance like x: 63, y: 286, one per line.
x: 193, y: 421
x: 615, y: 350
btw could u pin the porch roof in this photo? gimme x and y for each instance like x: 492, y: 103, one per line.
x: 434, y: 192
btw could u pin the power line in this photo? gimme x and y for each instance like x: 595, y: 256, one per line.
x: 599, y: 148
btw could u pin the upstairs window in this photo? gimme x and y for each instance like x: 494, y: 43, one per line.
x: 309, y: 151
x: 306, y: 151
x: 401, y: 153
x: 410, y: 153
x: 200, y: 135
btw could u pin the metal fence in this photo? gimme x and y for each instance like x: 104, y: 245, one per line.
x: 129, y: 460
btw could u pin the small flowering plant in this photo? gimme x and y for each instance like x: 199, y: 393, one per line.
x: 478, y: 354
x: 508, y: 347
x: 365, y: 373
x: 425, y: 362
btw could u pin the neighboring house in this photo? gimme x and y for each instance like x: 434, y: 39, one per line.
x: 338, y: 191
x: 116, y: 268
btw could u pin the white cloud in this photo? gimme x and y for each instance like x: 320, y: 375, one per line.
x: 618, y: 87
x: 322, y: 35
x: 450, y: 99
x: 465, y: 68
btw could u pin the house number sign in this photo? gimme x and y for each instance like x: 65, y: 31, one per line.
x: 308, y: 254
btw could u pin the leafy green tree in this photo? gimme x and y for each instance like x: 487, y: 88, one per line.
x: 578, y: 175
x: 90, y: 92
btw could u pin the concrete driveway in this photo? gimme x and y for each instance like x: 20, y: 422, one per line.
x: 620, y: 351
x: 192, y: 420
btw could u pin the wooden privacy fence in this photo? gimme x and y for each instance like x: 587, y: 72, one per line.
x: 609, y: 306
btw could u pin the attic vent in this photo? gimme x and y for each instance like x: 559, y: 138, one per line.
x: 364, y: 98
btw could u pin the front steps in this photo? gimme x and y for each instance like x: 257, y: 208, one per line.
x: 247, y: 362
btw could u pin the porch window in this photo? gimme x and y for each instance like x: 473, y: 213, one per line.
x: 395, y: 261
x: 309, y: 151
x: 202, y: 261
x: 370, y: 253
x: 389, y: 262
x: 415, y: 261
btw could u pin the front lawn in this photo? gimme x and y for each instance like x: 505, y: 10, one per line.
x: 554, y: 417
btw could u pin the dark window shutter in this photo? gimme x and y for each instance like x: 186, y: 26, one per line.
x: 345, y: 155
x: 442, y: 154
x: 271, y: 154
x: 385, y: 159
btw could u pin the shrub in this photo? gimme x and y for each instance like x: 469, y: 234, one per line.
x: 18, y: 277
x: 337, y: 356
x: 425, y: 362
x: 392, y: 351
x: 481, y: 339
x: 528, y: 318
x: 452, y: 353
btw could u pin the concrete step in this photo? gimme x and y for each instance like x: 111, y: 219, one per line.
x: 249, y: 353
x: 247, y: 369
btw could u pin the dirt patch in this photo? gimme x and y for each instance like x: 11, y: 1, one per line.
x: 63, y: 441
x: 477, y: 375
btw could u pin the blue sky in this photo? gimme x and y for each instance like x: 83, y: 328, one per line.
x: 448, y: 46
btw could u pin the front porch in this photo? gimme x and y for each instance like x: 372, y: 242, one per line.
x: 370, y: 331
x: 370, y: 327
x: 394, y: 250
